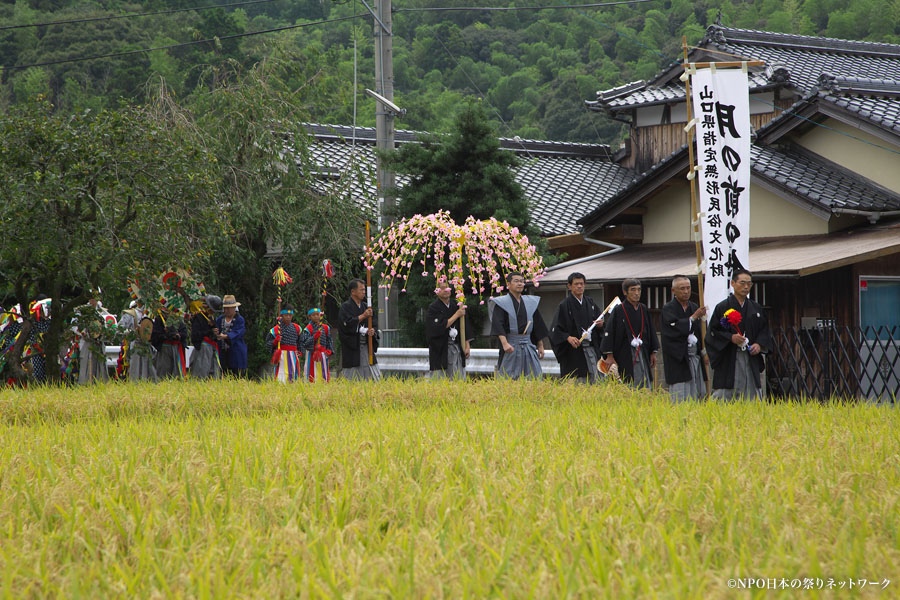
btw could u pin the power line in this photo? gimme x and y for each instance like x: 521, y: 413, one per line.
x: 132, y: 15
x: 514, y: 8
x: 191, y: 43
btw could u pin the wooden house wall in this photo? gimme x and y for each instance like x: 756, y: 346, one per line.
x: 652, y: 143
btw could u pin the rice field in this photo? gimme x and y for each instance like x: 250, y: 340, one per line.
x: 413, y: 489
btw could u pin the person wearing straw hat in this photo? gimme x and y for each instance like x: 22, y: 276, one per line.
x: 521, y: 330
x: 681, y: 336
x: 575, y: 333
x: 230, y: 329
x: 354, y: 333
x: 205, y: 360
x: 317, y: 346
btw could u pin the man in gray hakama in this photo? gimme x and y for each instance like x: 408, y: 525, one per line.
x: 205, y: 360
x: 140, y: 354
x: 91, y: 350
x: 681, y: 335
x: 575, y: 335
x: 168, y: 339
x: 354, y: 336
x: 521, y: 330
x: 629, y: 338
x: 736, y: 351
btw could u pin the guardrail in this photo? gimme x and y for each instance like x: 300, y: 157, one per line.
x: 406, y: 361
x: 480, y: 361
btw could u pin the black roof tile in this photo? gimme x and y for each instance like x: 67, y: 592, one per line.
x: 562, y: 180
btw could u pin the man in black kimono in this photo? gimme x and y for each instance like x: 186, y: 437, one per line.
x: 629, y: 338
x: 681, y: 336
x: 354, y: 333
x: 735, y: 351
x: 446, y: 351
x: 520, y: 329
x: 575, y: 345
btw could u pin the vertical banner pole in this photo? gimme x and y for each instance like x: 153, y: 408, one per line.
x: 695, y: 227
x: 369, y: 296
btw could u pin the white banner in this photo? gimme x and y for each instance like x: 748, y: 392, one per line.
x: 722, y: 110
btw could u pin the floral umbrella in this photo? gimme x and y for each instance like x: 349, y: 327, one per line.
x: 469, y: 256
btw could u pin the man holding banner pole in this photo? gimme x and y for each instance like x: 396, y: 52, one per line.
x: 736, y: 340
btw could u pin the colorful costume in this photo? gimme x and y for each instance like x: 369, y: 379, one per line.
x: 316, y: 344
x: 283, y: 342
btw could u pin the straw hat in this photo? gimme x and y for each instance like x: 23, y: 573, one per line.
x: 229, y: 302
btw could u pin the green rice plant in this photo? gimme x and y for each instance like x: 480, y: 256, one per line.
x: 417, y: 489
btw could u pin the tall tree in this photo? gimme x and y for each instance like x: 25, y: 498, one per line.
x: 278, y: 212
x: 90, y: 199
x: 464, y: 172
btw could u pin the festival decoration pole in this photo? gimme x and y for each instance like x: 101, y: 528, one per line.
x: 461, y: 240
x: 369, y: 295
x: 280, y: 278
x: 327, y: 271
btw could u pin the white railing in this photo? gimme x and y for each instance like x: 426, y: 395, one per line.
x: 406, y: 360
x: 481, y: 362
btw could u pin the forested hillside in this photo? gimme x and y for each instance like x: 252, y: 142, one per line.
x: 533, y: 68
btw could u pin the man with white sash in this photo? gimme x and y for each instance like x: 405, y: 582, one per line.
x: 521, y: 330
x: 354, y: 336
x: 736, y: 345
x: 629, y: 338
x: 681, y: 350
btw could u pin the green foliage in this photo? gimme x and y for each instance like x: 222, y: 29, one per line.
x: 514, y: 60
x: 246, y: 120
x: 93, y: 198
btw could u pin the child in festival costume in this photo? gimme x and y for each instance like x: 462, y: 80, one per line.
x: 282, y: 341
x: 315, y: 341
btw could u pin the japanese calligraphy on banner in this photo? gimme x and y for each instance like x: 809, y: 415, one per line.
x: 721, y: 105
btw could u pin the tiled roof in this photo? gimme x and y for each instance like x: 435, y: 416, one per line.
x: 823, y: 185
x: 661, y: 94
x: 797, y: 62
x: 562, y: 180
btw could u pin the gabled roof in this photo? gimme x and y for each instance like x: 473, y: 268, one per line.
x: 803, y: 178
x: 562, y: 180
x: 794, y: 61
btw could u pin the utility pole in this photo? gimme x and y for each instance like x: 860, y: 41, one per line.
x: 384, y: 141
x: 384, y: 117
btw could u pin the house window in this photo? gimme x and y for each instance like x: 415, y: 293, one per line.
x: 879, y: 305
